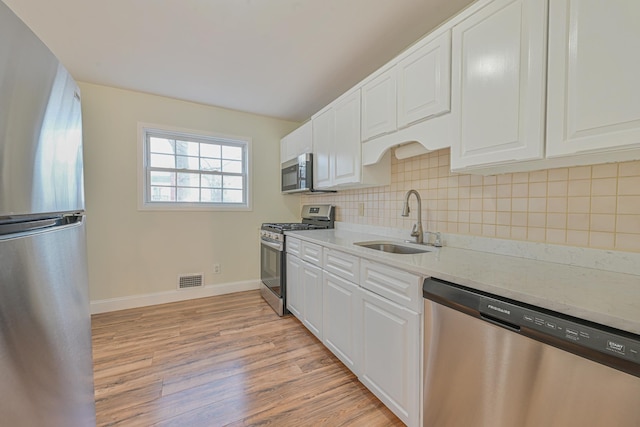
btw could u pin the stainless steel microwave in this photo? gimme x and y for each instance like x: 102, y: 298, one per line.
x: 297, y: 174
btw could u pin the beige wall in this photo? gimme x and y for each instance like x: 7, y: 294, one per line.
x: 135, y: 252
x: 591, y: 206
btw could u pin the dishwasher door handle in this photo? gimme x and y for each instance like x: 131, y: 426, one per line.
x: 496, y: 321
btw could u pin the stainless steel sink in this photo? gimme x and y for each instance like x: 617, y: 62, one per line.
x: 395, y: 248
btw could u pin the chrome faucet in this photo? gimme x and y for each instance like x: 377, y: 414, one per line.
x: 416, y: 231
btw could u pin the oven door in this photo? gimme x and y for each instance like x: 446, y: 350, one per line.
x: 272, y: 266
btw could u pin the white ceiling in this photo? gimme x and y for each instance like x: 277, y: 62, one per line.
x: 280, y: 58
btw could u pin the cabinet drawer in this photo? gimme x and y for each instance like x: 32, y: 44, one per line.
x: 292, y: 246
x: 342, y: 265
x: 396, y: 285
x: 311, y: 252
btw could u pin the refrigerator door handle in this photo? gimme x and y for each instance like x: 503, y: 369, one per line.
x: 22, y: 227
x: 32, y: 225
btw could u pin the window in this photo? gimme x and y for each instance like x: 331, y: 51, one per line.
x: 185, y: 170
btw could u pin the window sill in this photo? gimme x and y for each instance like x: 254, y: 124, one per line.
x: 192, y: 207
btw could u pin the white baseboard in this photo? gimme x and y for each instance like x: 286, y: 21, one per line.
x: 135, y: 301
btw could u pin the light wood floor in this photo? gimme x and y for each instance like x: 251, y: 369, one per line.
x: 222, y: 361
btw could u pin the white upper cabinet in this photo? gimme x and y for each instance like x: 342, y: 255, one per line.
x: 338, y: 150
x: 533, y: 84
x: 296, y: 143
x: 379, y: 105
x: 424, y: 82
x: 416, y: 87
x: 594, y: 67
x: 498, y: 84
x: 323, y: 125
x: 346, y: 149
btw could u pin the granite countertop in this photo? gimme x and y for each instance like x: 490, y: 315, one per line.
x: 605, y: 297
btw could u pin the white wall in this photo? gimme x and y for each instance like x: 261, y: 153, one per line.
x: 135, y: 253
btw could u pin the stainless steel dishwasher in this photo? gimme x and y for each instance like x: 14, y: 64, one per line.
x: 490, y: 361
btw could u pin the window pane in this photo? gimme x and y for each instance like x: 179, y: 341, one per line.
x: 210, y: 150
x: 162, y: 161
x: 210, y: 165
x: 188, y: 194
x: 162, y: 145
x: 231, y: 166
x: 187, y: 148
x: 163, y: 178
x: 163, y: 194
x: 232, y: 196
x: 189, y: 180
x: 211, y: 195
x: 211, y: 181
x: 231, y: 152
x: 187, y: 162
x: 233, y: 182
x: 184, y: 168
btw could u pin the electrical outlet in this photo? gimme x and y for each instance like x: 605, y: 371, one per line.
x: 216, y: 269
x: 361, y: 209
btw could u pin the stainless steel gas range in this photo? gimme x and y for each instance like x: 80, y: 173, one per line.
x: 273, y: 252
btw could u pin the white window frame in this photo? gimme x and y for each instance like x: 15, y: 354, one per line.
x: 144, y: 202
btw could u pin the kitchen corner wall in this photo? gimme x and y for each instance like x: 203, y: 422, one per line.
x: 589, y: 206
x: 140, y: 253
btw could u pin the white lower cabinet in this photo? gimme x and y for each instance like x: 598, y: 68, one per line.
x: 304, y: 285
x: 391, y: 355
x: 311, y: 280
x: 342, y: 320
x: 295, y: 291
x: 365, y: 313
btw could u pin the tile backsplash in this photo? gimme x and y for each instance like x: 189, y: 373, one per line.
x: 588, y: 206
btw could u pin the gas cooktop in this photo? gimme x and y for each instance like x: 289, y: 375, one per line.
x: 314, y: 217
x: 284, y: 226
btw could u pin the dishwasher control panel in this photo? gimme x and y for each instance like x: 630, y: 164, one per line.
x: 517, y: 317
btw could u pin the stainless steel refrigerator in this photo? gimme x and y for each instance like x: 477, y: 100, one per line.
x: 46, y: 374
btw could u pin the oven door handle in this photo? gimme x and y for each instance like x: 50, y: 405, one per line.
x: 273, y: 245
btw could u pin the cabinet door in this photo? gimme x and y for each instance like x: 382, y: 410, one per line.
x: 303, y: 139
x: 594, y: 65
x: 312, y: 307
x: 379, y: 105
x: 323, y: 130
x: 424, y: 82
x: 347, y: 154
x: 498, y: 84
x: 391, y: 355
x: 341, y: 319
x: 296, y: 143
x: 294, y: 290
x: 284, y: 147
